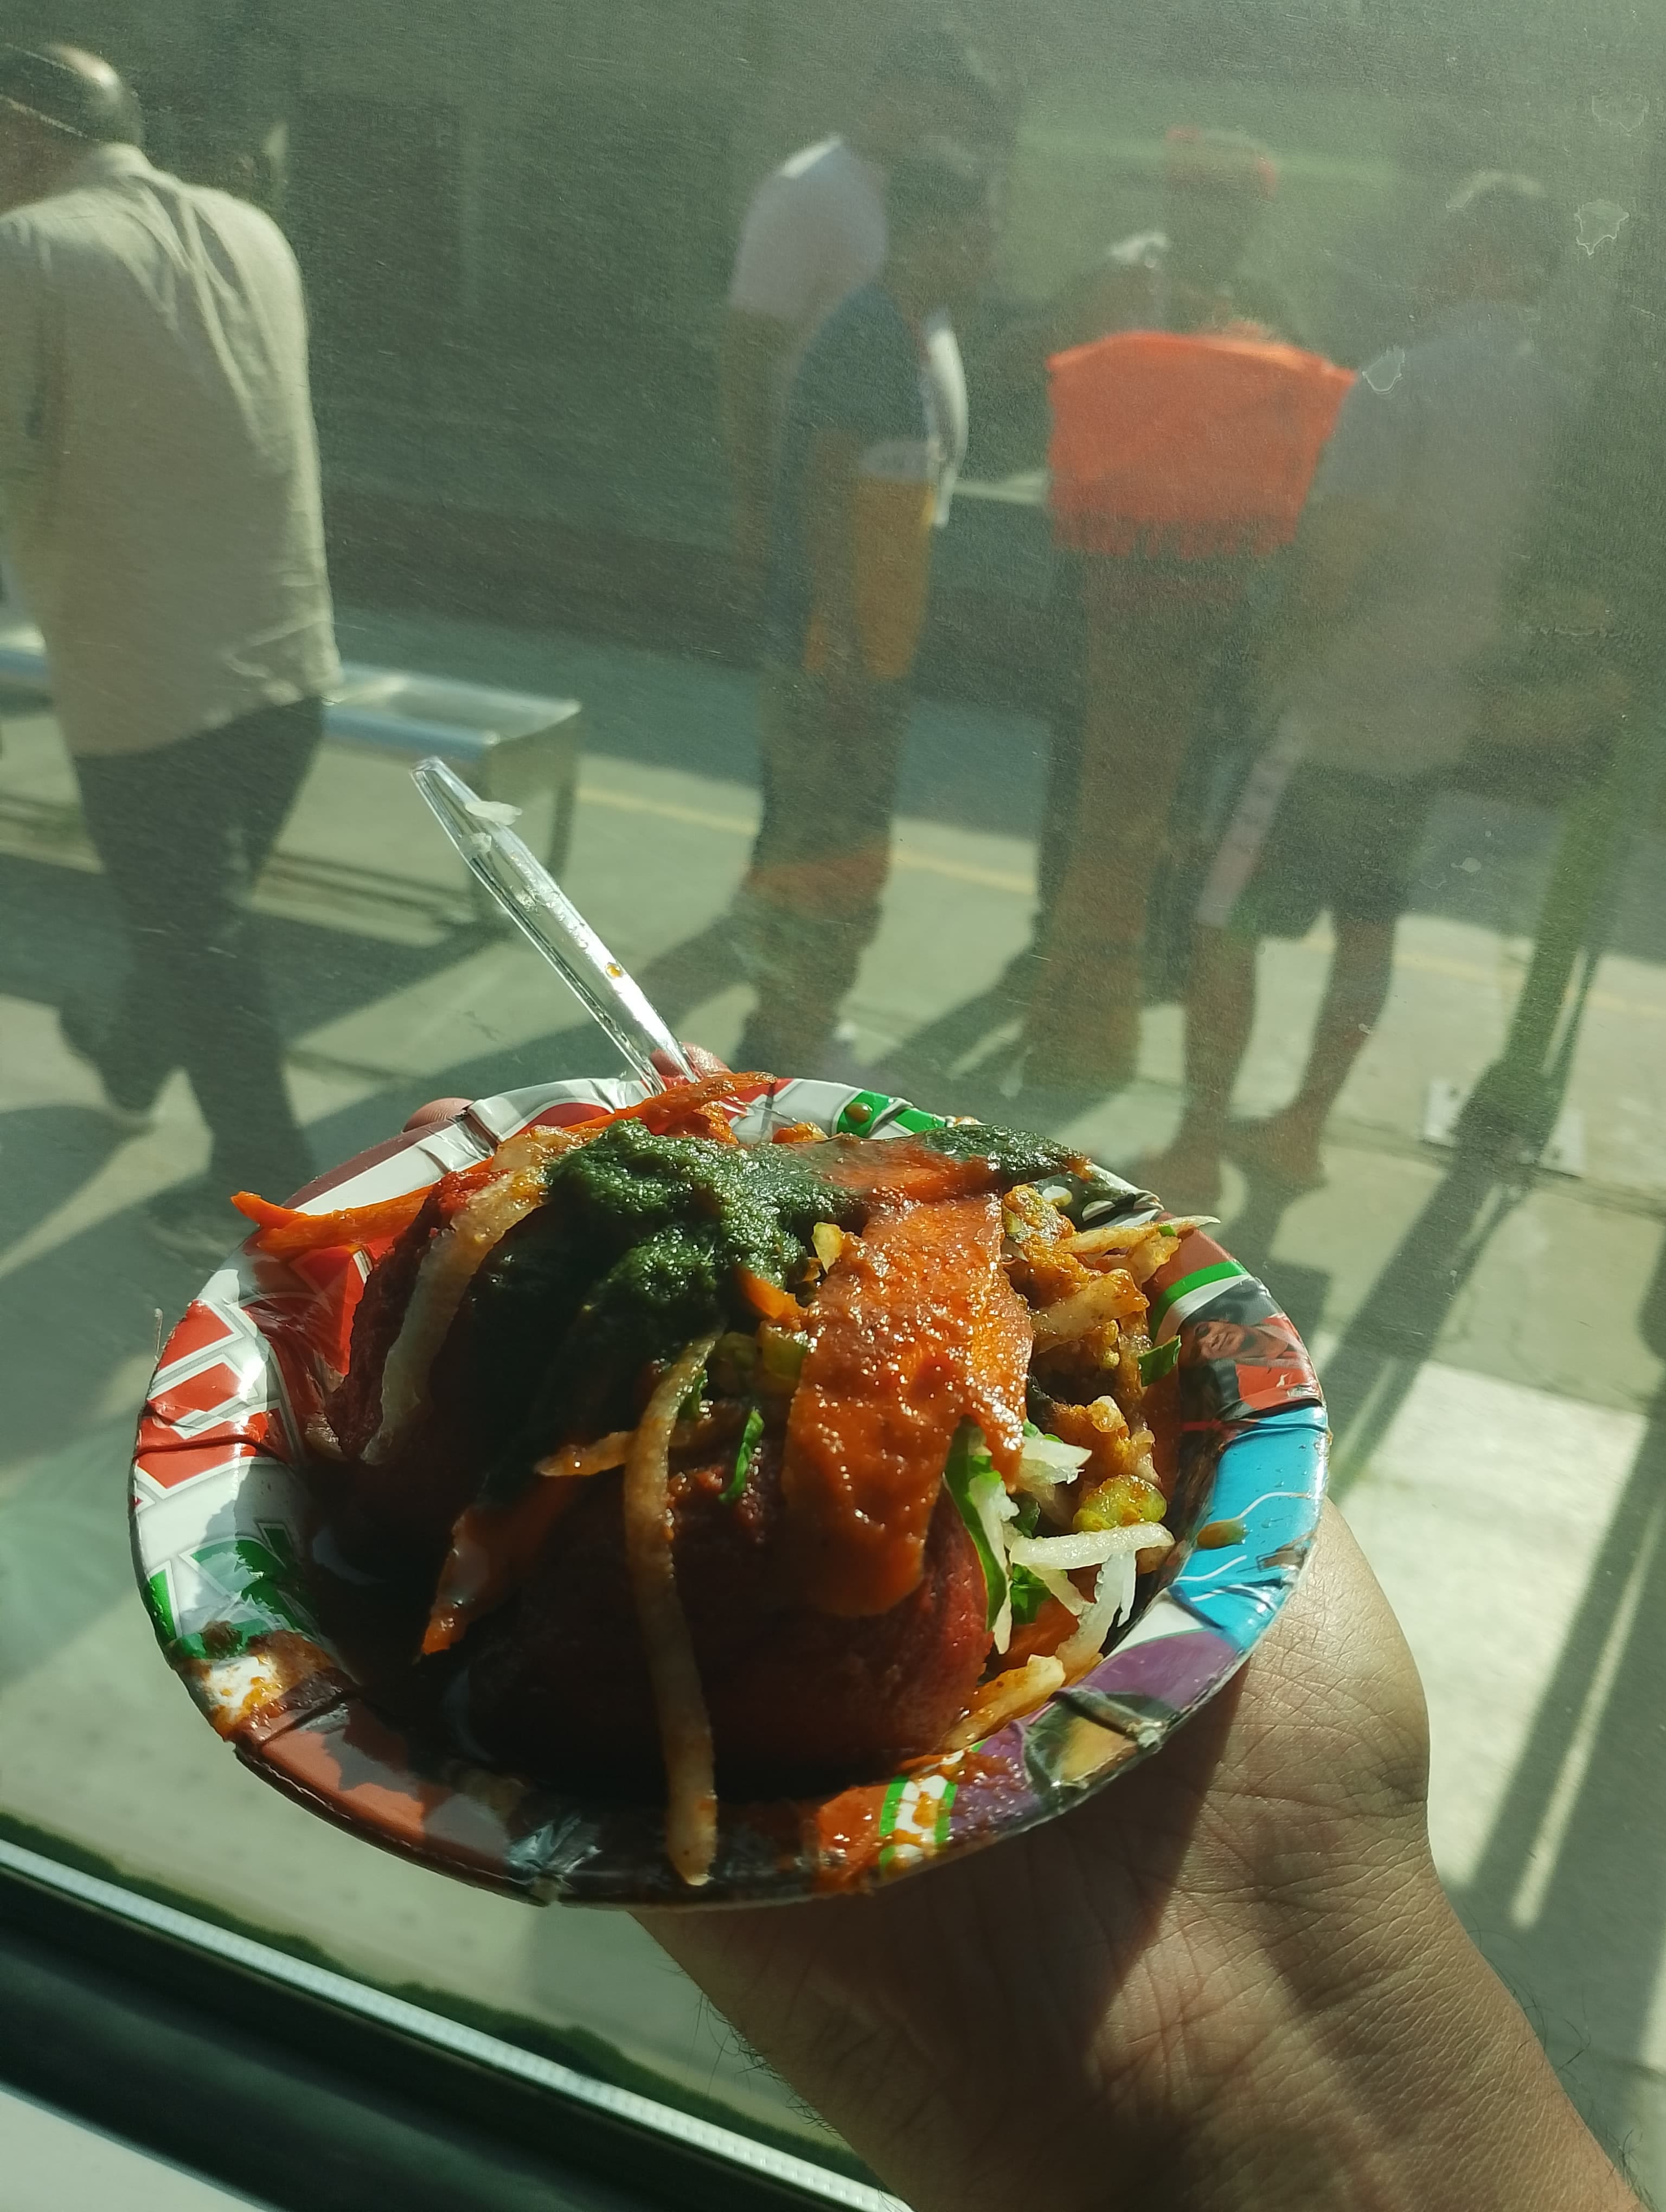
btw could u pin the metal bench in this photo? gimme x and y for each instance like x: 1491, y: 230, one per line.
x: 510, y: 745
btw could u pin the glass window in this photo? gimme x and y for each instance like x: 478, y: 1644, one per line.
x: 1095, y: 569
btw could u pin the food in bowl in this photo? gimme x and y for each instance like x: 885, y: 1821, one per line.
x: 664, y: 1462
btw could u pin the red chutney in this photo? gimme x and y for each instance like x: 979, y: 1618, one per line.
x: 916, y: 1329
x: 901, y: 1171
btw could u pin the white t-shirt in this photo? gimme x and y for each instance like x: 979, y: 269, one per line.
x: 1452, y: 438
x: 158, y: 463
x: 814, y: 234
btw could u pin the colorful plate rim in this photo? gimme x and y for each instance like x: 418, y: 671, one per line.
x: 219, y: 1533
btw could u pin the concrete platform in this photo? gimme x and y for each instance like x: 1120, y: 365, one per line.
x: 1524, y: 1409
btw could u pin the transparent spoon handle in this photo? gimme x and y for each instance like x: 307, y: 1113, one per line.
x: 538, y: 907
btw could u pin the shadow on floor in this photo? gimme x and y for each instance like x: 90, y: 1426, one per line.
x: 1569, y: 1899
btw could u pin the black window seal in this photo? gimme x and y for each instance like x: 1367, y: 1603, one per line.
x: 301, y: 2086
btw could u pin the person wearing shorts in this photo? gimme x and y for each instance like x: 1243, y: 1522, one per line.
x: 1398, y: 593
x: 1342, y: 844
x: 1137, y: 639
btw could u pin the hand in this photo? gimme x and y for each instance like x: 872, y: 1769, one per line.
x: 1231, y: 1980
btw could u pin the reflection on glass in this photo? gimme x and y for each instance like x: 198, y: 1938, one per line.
x: 162, y: 494
x: 1112, y: 582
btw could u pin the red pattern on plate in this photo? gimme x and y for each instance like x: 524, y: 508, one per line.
x: 198, y: 1327
x: 196, y: 1395
x: 171, y: 1464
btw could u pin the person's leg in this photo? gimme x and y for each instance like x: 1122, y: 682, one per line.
x: 249, y: 774
x: 1067, y: 637
x: 128, y: 801
x: 1146, y: 669
x: 181, y: 831
x: 1287, y: 1145
x: 1364, y: 833
x: 1271, y: 835
x: 279, y: 746
x: 1220, y: 1014
x: 811, y: 902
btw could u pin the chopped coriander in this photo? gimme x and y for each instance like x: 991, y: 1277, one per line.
x: 969, y: 1479
x: 1030, y: 1594
x: 749, y: 1438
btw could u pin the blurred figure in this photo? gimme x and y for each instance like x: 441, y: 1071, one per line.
x: 1188, y: 275
x: 875, y: 432
x: 1148, y: 613
x: 814, y: 234
x: 1397, y: 597
x: 159, y: 475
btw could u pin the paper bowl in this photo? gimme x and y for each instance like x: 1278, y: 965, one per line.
x: 222, y: 1530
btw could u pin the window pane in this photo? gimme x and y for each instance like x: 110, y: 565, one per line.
x: 1098, y: 570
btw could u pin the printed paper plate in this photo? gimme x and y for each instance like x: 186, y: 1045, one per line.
x: 222, y: 1535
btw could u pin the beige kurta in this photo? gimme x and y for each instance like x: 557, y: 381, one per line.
x: 158, y: 460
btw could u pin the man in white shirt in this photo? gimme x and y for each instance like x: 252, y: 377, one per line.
x: 159, y: 471
x: 870, y: 447
x: 1398, y: 596
x: 814, y: 234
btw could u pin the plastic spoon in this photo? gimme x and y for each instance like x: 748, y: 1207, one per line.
x: 541, y: 910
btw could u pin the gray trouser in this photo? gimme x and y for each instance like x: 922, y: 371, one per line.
x: 810, y: 905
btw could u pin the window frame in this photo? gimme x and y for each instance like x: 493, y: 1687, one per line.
x: 307, y: 2089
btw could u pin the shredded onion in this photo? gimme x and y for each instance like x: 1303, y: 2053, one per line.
x: 449, y: 1266
x: 1112, y: 1237
x: 1017, y: 1691
x: 1123, y: 1235
x: 573, y: 1459
x: 685, y: 1731
x: 1109, y: 1297
x: 829, y: 1241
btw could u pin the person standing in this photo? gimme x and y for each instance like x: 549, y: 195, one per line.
x: 1397, y: 598
x: 814, y: 234
x: 1140, y: 641
x: 875, y: 432
x: 159, y: 470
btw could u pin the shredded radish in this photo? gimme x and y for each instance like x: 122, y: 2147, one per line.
x: 685, y: 1732
x: 1048, y: 1459
x: 1089, y: 1549
x: 1113, y: 1600
x: 1047, y: 1468
x: 1061, y: 1587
